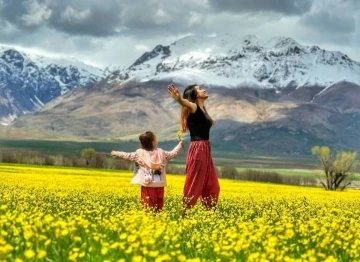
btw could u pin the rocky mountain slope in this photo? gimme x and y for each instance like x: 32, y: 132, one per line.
x: 29, y: 81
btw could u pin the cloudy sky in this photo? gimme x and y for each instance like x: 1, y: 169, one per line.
x: 117, y: 32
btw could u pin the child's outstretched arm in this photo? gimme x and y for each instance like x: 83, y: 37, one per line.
x: 133, y: 156
x: 173, y: 153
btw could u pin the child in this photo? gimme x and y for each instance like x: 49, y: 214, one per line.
x: 151, y: 174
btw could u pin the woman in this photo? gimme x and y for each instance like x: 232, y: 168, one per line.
x: 201, y: 179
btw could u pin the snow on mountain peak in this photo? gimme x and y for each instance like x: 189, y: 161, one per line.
x: 236, y: 61
x: 281, y: 42
x: 219, y: 45
x: 30, y: 80
x: 43, y: 61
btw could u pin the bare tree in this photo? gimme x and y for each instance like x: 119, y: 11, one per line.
x: 338, y: 168
x: 98, y: 161
x: 229, y: 172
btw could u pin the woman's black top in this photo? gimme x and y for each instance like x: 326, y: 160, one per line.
x: 199, y: 125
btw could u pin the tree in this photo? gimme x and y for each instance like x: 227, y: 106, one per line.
x: 88, y: 154
x: 338, y: 169
x: 98, y: 161
x: 229, y: 172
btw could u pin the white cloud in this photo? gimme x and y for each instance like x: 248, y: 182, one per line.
x: 72, y: 16
x: 196, y: 18
x: 36, y: 13
x: 161, y: 17
x: 142, y: 48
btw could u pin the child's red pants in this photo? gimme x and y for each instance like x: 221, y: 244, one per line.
x: 152, y: 197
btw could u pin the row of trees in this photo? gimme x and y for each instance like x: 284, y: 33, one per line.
x: 88, y: 158
x: 338, y: 168
x: 265, y: 176
x: 92, y: 159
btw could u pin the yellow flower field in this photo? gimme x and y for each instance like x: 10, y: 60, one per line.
x: 65, y: 214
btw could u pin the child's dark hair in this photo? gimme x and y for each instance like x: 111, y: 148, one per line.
x: 146, y: 140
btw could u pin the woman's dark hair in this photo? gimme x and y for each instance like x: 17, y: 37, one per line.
x: 146, y: 140
x: 190, y: 93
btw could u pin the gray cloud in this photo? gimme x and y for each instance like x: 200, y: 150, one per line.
x: 149, y: 17
x: 82, y: 17
x: 154, y: 14
x: 119, y: 31
x: 36, y: 13
x: 288, y: 7
x: 99, y: 19
x: 335, y: 20
x: 355, y: 3
x: 14, y: 11
x: 329, y: 21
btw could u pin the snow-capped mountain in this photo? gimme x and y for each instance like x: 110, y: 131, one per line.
x: 28, y: 81
x: 307, y: 96
x: 232, y: 62
x: 110, y: 69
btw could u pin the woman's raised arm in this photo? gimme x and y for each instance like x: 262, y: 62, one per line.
x: 174, y: 92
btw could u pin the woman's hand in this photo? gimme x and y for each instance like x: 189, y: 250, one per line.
x: 174, y: 92
x: 182, y: 143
